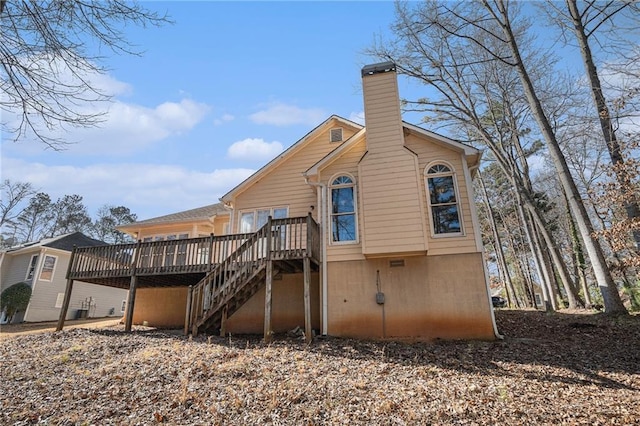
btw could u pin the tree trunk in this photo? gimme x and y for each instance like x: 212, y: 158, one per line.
x: 606, y: 125
x: 502, y: 264
x: 611, y: 297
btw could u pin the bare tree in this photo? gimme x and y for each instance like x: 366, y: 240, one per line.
x: 47, y: 64
x: 13, y: 194
x: 595, y: 19
x: 104, y: 226
x: 447, y: 45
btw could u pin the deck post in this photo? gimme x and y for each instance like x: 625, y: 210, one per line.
x: 223, y: 322
x: 211, y: 236
x: 187, y: 315
x: 131, y: 302
x: 132, y: 288
x: 65, y: 305
x: 306, y: 261
x: 268, y: 285
x: 67, y: 292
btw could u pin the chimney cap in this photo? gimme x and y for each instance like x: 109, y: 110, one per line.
x: 378, y: 68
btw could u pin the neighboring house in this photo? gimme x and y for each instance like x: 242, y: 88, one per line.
x: 367, y: 232
x: 43, y: 265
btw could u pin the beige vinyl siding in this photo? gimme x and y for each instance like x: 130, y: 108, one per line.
x: 382, y: 111
x: 193, y: 229
x: 429, y: 151
x: 347, y: 163
x: 284, y: 185
x: 219, y: 222
x: 392, y: 217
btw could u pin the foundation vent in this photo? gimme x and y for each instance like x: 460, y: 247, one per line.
x: 396, y: 263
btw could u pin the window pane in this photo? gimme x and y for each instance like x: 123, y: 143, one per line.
x: 342, y: 200
x: 343, y: 227
x: 246, y: 222
x: 263, y: 216
x: 445, y: 219
x: 441, y: 190
x: 280, y: 213
x: 47, y: 268
x: 341, y: 180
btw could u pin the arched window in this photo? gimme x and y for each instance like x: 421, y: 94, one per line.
x: 443, y: 200
x: 343, y: 209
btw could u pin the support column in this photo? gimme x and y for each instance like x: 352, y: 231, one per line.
x: 131, y: 303
x: 65, y: 304
x: 307, y: 299
x: 132, y: 288
x: 223, y: 322
x: 187, y: 315
x: 267, y: 302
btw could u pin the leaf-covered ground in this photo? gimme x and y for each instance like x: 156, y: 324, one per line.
x: 567, y: 368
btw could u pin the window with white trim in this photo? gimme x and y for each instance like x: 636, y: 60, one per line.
x: 344, y: 225
x: 48, y: 268
x: 32, y: 267
x: 443, y: 200
x: 252, y: 220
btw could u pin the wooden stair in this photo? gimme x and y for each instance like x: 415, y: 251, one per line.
x: 280, y: 246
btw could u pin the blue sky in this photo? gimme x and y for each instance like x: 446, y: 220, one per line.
x: 214, y: 96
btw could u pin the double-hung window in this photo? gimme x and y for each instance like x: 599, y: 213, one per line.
x: 443, y: 200
x: 48, y: 268
x: 252, y: 220
x: 343, y: 209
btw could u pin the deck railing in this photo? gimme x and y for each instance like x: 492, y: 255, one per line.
x: 292, y: 238
x: 153, y: 257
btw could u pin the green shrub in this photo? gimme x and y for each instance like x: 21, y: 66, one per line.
x: 15, y: 298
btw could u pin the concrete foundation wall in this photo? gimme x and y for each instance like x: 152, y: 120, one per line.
x: 160, y: 306
x: 165, y: 307
x: 287, y: 307
x: 429, y: 297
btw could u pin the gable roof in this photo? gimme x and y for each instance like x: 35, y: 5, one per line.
x: 205, y: 213
x: 64, y: 242
x: 468, y: 150
x: 284, y: 155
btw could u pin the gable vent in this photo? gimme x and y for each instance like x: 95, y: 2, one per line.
x: 335, y: 135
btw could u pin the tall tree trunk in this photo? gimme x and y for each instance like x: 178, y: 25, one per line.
x: 578, y: 254
x: 631, y: 206
x: 611, y: 297
x: 502, y: 265
x: 545, y: 283
x: 558, y: 262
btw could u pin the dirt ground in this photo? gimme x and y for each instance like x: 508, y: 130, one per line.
x: 13, y: 330
x: 569, y: 368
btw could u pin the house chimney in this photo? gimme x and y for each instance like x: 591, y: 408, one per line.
x: 382, y: 116
x: 390, y: 183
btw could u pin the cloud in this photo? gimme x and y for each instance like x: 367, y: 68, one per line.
x: 224, y: 119
x: 357, y: 117
x: 147, y: 189
x: 280, y: 114
x: 251, y: 149
x: 124, y: 128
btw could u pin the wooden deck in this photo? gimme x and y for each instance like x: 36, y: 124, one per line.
x: 222, y: 272
x: 185, y: 262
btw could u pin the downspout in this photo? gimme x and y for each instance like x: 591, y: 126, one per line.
x: 321, y: 222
